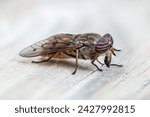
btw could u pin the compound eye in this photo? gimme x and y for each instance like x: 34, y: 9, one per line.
x: 107, y: 35
x: 109, y: 38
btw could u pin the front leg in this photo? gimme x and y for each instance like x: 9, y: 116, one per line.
x: 116, y: 65
x: 102, y: 64
x: 96, y: 65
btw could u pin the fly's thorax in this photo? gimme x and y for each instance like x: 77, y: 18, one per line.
x: 104, y: 44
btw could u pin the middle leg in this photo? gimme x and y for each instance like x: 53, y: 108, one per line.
x: 77, y: 56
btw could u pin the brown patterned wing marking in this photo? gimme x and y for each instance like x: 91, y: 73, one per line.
x: 52, y: 45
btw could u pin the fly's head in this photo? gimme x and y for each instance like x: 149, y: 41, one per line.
x: 105, y: 45
x: 108, y: 39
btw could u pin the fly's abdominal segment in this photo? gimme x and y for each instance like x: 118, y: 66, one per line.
x: 88, y: 46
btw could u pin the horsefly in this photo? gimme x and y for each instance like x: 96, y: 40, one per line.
x: 79, y: 46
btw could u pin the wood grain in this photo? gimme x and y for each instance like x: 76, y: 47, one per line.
x: 25, y: 22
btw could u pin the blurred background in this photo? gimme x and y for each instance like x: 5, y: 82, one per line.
x: 23, y: 22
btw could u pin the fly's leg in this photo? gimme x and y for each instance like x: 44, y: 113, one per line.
x: 116, y: 49
x: 100, y: 63
x: 77, y: 55
x: 116, y: 65
x: 96, y: 65
x: 110, y: 64
x: 42, y: 61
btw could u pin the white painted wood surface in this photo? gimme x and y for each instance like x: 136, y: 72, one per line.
x: 23, y: 22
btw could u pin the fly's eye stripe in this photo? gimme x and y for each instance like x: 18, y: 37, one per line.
x: 101, y: 49
x: 109, y: 39
x: 102, y: 45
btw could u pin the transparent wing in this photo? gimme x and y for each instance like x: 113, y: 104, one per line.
x: 56, y: 43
